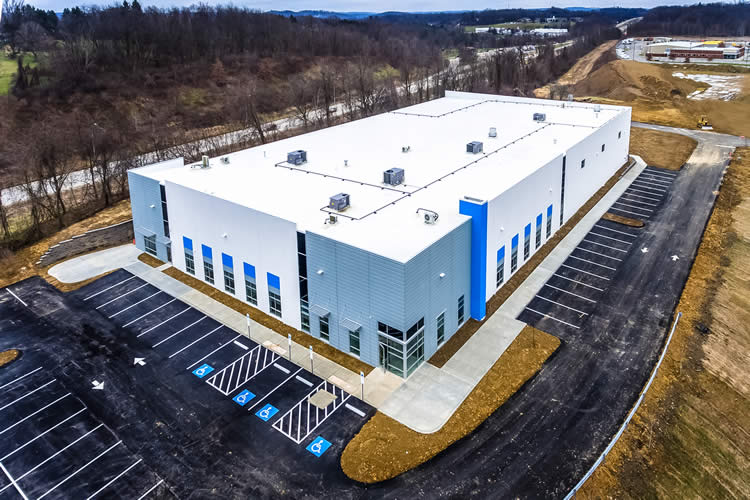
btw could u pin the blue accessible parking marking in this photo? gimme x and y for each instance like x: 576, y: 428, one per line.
x: 243, y: 397
x: 203, y: 370
x: 318, y: 446
x: 267, y: 412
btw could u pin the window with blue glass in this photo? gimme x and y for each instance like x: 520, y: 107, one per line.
x: 526, y: 241
x: 208, y: 264
x: 251, y: 291
x: 274, y: 294
x: 500, y: 276
x: 549, y: 221
x: 228, y: 264
x: 514, y: 254
x: 187, y: 245
x: 538, y: 236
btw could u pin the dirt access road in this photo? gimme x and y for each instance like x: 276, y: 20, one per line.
x: 579, y: 71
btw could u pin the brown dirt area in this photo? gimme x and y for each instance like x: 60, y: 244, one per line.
x: 8, y: 356
x: 302, y: 338
x: 657, y: 97
x: 459, y: 338
x: 661, y: 149
x: 150, y: 260
x: 627, y: 221
x: 690, y: 438
x: 384, y: 448
x: 22, y: 264
x: 580, y: 69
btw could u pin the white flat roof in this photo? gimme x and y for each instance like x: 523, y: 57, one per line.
x: 438, y: 171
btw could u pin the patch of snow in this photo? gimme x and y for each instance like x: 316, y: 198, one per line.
x: 722, y: 88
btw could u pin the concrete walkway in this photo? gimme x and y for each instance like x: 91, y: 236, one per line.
x: 93, y: 264
x: 431, y: 395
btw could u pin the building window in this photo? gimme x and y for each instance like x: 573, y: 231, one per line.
x: 324, y: 332
x: 514, y: 254
x: 526, y: 242
x: 583, y: 163
x: 274, y: 303
x: 619, y: 134
x: 149, y: 243
x: 354, y: 342
x: 603, y: 145
x: 441, y: 328
x: 538, y: 238
x: 562, y: 190
x: 208, y: 271
x: 305, y: 315
x: 164, y: 213
x: 549, y: 221
x: 229, y: 281
x: 189, y: 262
x: 460, y: 310
x: 500, y: 275
x: 251, y: 292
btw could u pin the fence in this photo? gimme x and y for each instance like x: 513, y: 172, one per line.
x: 624, y: 425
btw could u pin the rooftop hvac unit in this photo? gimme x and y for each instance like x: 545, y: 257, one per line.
x: 430, y: 217
x: 597, y: 108
x: 297, y: 157
x: 339, y: 202
x: 204, y: 162
x: 474, y: 147
x: 393, y: 176
x: 493, y: 132
x: 540, y: 117
x: 405, y: 149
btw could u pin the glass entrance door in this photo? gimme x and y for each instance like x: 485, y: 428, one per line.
x: 391, y: 355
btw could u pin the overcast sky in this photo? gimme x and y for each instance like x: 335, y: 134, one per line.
x: 368, y: 5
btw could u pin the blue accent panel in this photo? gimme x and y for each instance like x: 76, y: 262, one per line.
x: 187, y: 243
x: 478, y: 214
x: 527, y: 231
x: 514, y: 242
x: 206, y: 252
x: 273, y: 281
x: 549, y: 211
x: 249, y: 270
x: 501, y: 253
x: 538, y: 220
x: 227, y: 261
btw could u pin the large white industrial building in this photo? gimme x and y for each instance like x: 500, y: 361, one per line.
x: 384, y: 235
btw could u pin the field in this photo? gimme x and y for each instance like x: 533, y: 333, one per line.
x: 661, y: 149
x: 8, y: 70
x: 690, y: 437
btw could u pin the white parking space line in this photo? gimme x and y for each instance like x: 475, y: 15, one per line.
x: 570, y: 293
x: 55, y: 454
x: 592, y: 262
x: 631, y: 199
x: 562, y: 305
x: 35, y: 413
x: 121, y: 296
x: 629, y: 212
x: 194, y: 342
x: 296, y: 412
x: 241, y: 345
x: 108, y: 288
x: 354, y: 410
x: 616, y: 231
x: 610, y: 238
x: 133, y: 305
x: 658, y: 181
x: 212, y: 352
x: 163, y: 322
x: 306, y: 382
x: 20, y: 378
x: 640, y: 196
x: 178, y: 332
x: 605, y: 246
x: 151, y: 311
x: 246, y: 367
x: 633, y: 206
x: 26, y: 395
x: 118, y: 476
x: 42, y: 434
x: 100, y: 455
x: 281, y: 368
x: 578, y: 282
x: 661, y: 172
x: 584, y: 272
x: 151, y: 489
x: 552, y: 318
x: 597, y: 253
x: 642, y: 193
x: 13, y: 482
x: 647, y: 186
x: 17, y: 298
x: 290, y: 377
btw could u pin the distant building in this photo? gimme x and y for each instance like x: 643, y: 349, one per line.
x: 549, y: 31
x: 696, y: 50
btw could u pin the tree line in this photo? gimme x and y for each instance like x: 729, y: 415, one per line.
x: 715, y: 19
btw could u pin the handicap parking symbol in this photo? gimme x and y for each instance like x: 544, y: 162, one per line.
x: 203, y: 370
x: 267, y: 412
x: 318, y: 446
x: 243, y: 397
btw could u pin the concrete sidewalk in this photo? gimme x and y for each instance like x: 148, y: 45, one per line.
x: 426, y: 400
x: 93, y: 264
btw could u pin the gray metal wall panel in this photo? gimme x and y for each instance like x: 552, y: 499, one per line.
x: 145, y: 192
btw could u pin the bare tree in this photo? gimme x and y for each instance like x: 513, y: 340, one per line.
x: 301, y: 98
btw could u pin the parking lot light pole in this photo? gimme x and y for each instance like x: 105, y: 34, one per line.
x: 247, y: 316
x: 362, y: 381
x: 311, y: 361
x: 289, y: 341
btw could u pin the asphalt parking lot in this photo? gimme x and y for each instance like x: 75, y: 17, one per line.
x: 569, y: 297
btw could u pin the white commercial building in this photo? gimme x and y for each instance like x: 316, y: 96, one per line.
x: 384, y: 235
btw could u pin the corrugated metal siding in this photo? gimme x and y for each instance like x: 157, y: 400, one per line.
x: 145, y: 192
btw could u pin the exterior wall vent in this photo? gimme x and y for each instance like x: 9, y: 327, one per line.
x: 297, y: 157
x: 405, y: 149
x: 493, y: 132
x: 474, y: 147
x: 339, y: 202
x: 540, y: 117
x: 393, y: 176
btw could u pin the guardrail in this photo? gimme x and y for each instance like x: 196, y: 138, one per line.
x: 624, y: 425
